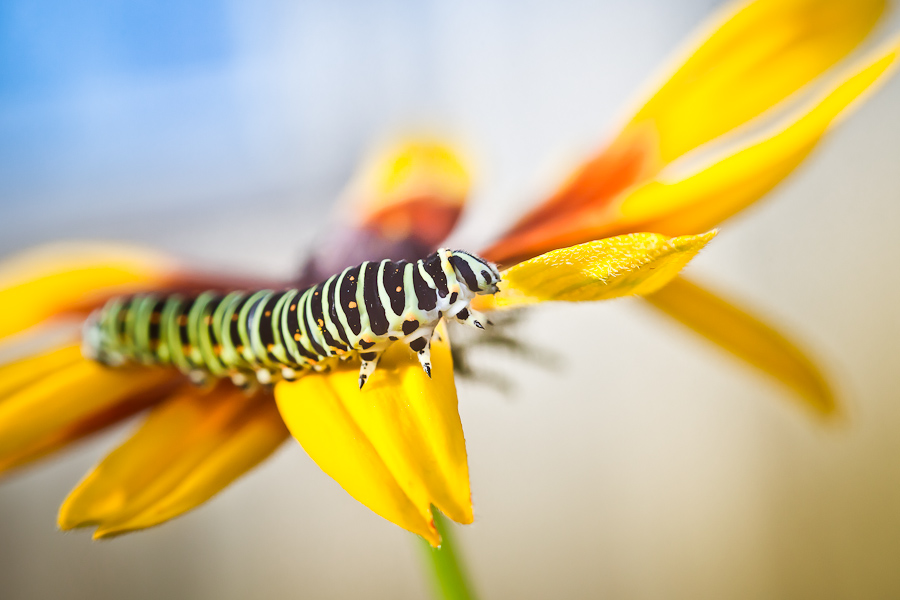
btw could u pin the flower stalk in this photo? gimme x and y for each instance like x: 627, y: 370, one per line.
x: 448, y: 577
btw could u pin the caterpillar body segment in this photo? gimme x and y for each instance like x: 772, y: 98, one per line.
x: 266, y: 336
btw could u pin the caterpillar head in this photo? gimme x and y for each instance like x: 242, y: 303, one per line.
x: 477, y: 274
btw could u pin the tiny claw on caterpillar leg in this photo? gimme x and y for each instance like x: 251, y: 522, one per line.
x: 425, y: 359
x: 367, y: 367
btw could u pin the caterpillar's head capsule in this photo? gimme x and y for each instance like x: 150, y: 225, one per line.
x: 479, y: 275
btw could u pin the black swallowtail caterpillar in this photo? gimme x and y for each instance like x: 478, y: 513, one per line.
x: 272, y: 335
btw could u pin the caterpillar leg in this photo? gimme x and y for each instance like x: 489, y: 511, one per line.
x: 369, y: 362
x: 243, y: 382
x: 422, y: 347
x: 199, y: 377
x: 472, y: 318
x: 289, y: 374
x: 264, y: 376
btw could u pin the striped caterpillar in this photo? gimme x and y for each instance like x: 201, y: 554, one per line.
x: 269, y: 335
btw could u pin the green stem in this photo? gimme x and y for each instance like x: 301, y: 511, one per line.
x: 447, y: 577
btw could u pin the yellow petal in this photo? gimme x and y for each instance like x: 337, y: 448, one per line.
x: 189, y: 448
x: 259, y: 434
x: 16, y: 375
x: 750, y: 58
x: 748, y: 338
x: 747, y: 60
x: 75, y: 400
x: 704, y: 199
x: 638, y: 263
x: 50, y: 280
x: 397, y: 446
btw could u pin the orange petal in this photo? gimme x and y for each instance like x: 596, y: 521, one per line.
x: 78, y: 398
x: 189, y: 448
x: 631, y: 158
x: 634, y: 264
x: 47, y: 281
x: 745, y: 336
x: 397, y: 446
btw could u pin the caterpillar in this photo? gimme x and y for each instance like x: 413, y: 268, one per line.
x: 269, y: 335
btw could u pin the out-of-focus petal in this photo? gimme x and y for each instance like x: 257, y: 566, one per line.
x: 634, y: 264
x: 189, y: 448
x: 78, y: 398
x: 413, y: 170
x: 397, y: 446
x: 258, y: 435
x: 748, y: 338
x: 713, y: 194
x: 16, y: 375
x: 750, y: 58
x: 703, y: 199
x: 402, y: 205
x: 631, y: 158
x: 50, y: 280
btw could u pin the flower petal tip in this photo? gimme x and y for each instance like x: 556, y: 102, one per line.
x: 67, y: 525
x: 704, y: 238
x: 693, y: 243
x: 746, y: 336
x: 101, y: 534
x: 432, y: 536
x: 66, y: 522
x: 824, y: 404
x: 457, y: 512
x: 397, y: 447
x: 625, y: 265
x: 188, y: 449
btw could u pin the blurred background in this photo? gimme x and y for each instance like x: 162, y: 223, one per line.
x: 223, y: 132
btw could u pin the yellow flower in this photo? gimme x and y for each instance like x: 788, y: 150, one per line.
x: 398, y: 445
x: 736, y: 80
